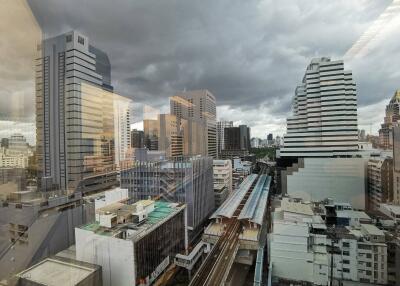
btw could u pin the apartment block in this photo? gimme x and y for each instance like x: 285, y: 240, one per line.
x: 306, y: 248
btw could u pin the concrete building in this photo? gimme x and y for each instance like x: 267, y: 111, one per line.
x: 391, y: 118
x: 73, y: 93
x: 186, y: 180
x: 324, y: 119
x: 62, y: 272
x: 304, y: 248
x: 137, y: 138
x: 135, y: 243
x: 237, y: 138
x: 341, y: 179
x: 198, y: 106
x: 36, y: 225
x: 223, y: 184
x: 221, y: 125
x: 14, y: 160
x: 392, y: 211
x: 380, y: 182
x: 396, y: 165
x: 393, y: 258
x: 223, y: 173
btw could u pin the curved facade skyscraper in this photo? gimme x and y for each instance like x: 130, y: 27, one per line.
x: 324, y: 119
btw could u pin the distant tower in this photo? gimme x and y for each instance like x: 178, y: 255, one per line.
x: 392, y: 117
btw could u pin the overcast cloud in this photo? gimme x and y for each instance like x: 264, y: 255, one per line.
x: 249, y: 54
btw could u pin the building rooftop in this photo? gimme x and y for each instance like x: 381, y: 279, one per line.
x: 288, y: 205
x: 353, y: 214
x: 371, y: 229
x: 132, y: 230
x: 392, y: 208
x: 58, y: 272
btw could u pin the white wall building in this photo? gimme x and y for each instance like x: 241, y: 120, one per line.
x: 223, y: 173
x: 302, y: 247
x: 324, y: 120
x: 135, y: 243
x: 341, y: 179
x: 13, y: 161
x: 392, y: 211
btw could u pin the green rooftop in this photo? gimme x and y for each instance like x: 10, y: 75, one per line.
x: 161, y: 211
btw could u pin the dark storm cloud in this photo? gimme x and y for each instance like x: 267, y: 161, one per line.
x: 250, y: 54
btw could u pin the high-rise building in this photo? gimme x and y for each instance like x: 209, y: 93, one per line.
x: 166, y: 133
x: 396, y: 165
x: 122, y: 127
x: 186, y: 180
x: 380, y: 182
x: 237, y: 138
x: 221, y: 125
x: 137, y: 138
x: 74, y: 111
x: 324, y: 119
x: 198, y: 106
x: 170, y: 136
x: 392, y: 117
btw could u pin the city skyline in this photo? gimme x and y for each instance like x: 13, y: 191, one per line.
x: 142, y: 76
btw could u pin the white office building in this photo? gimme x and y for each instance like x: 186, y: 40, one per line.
x: 324, y: 119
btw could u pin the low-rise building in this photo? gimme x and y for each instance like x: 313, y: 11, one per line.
x: 392, y: 211
x: 223, y: 173
x: 62, y: 272
x: 304, y: 248
x: 134, y: 243
x: 221, y: 193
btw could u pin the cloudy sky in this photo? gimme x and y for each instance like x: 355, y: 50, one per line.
x: 249, y: 54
